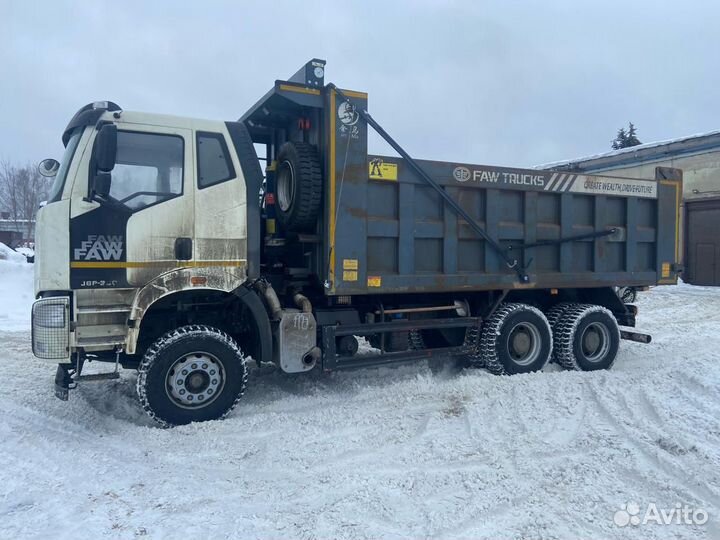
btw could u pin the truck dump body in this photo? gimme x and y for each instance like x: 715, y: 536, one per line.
x: 386, y: 229
x: 396, y: 234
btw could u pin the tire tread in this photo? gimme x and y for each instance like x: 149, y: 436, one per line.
x: 491, y: 330
x: 564, y: 334
x: 155, y: 350
x: 302, y: 215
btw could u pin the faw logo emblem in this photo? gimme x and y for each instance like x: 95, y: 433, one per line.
x: 461, y: 174
x: 100, y: 248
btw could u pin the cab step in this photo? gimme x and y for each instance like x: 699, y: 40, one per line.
x: 99, y: 376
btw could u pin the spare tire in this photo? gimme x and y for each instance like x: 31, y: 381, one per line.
x: 298, y: 186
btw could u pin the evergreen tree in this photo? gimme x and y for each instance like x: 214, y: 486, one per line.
x: 626, y: 139
x: 620, y: 140
x: 632, y: 139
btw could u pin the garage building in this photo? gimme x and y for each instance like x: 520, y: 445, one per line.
x: 699, y: 158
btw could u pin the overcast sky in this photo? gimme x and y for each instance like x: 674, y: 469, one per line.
x: 491, y: 82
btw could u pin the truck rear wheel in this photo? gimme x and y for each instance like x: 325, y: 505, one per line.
x: 587, y: 338
x: 515, y: 339
x: 298, y: 186
x: 191, y: 374
x: 554, y: 315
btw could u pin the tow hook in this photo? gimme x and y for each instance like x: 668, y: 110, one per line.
x: 635, y: 336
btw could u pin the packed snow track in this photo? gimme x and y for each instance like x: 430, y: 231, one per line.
x: 381, y: 453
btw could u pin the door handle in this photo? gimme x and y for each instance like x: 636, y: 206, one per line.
x: 183, y: 249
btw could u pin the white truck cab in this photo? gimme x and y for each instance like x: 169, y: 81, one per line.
x: 142, y: 206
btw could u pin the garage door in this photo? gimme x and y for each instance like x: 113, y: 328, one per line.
x: 703, y: 242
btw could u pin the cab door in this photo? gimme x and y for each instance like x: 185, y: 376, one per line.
x: 155, y: 174
x: 220, y: 203
x: 146, y: 226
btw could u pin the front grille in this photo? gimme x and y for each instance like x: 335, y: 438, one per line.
x: 50, y: 328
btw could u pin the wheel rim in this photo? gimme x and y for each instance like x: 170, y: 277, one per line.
x: 524, y: 343
x: 595, y: 342
x: 285, y: 186
x: 195, y: 380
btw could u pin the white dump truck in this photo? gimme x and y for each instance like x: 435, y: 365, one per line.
x: 166, y: 248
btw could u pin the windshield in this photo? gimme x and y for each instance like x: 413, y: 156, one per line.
x: 148, y: 168
x: 59, y: 182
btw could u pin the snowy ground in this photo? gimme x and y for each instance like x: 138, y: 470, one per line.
x: 391, y: 453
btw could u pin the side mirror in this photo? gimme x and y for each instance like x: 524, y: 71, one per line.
x: 48, y: 167
x: 105, y: 149
x: 101, y: 185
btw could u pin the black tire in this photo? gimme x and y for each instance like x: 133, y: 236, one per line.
x: 211, y: 372
x: 628, y: 294
x: 587, y: 338
x: 298, y: 186
x: 505, y: 334
x: 554, y: 314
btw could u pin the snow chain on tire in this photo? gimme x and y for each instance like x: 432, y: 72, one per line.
x: 564, y: 333
x: 491, y: 331
x: 156, y: 349
x: 554, y: 315
x: 471, y: 342
x: 628, y: 295
x: 415, y: 340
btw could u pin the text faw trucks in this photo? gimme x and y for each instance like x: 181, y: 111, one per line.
x: 164, y: 248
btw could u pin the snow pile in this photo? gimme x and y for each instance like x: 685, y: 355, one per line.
x: 382, y: 452
x: 7, y: 254
x: 16, y: 290
x: 28, y: 252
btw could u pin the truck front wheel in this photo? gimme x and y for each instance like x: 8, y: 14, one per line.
x: 191, y: 374
x: 515, y: 339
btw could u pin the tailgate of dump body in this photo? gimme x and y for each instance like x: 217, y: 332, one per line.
x: 394, y: 233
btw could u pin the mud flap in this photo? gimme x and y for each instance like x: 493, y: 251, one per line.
x: 63, y: 382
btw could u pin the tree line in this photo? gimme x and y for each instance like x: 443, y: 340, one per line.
x: 22, y: 189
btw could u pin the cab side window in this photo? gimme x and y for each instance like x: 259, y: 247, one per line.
x: 213, y: 162
x: 148, y: 169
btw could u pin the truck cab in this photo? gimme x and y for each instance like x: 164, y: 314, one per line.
x: 172, y: 195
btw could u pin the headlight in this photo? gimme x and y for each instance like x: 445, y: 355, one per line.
x: 50, y: 328
x: 49, y: 315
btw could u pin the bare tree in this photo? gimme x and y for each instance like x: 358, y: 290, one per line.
x: 22, y: 189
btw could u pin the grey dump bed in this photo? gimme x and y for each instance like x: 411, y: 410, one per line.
x: 395, y: 233
x: 386, y: 229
